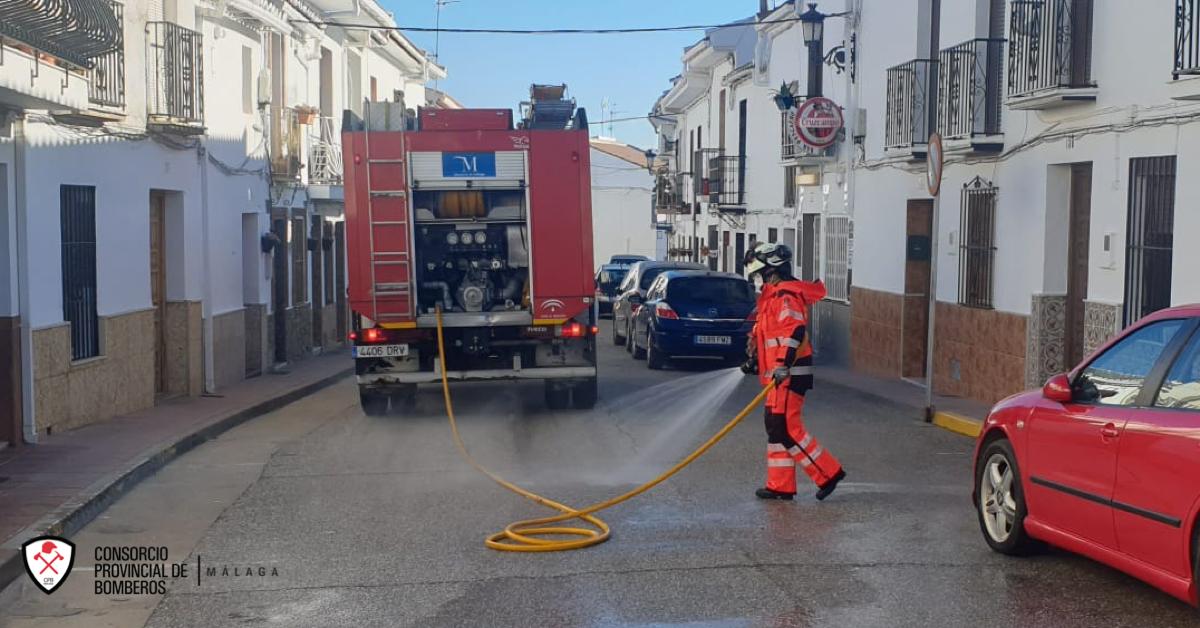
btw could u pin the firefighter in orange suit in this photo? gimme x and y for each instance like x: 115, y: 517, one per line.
x: 784, y: 356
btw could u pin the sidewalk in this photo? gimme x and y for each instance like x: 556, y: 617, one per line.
x: 964, y: 416
x: 62, y: 483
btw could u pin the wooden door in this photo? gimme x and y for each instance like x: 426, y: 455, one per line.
x: 158, y: 288
x: 914, y: 330
x: 1077, y: 261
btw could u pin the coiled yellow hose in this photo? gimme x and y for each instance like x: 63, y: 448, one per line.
x: 530, y: 535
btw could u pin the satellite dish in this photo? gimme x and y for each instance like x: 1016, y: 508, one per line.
x: 762, y: 59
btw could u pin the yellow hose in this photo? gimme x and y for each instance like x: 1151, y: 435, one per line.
x: 528, y: 535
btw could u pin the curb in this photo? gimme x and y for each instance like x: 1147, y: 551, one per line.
x: 958, y: 423
x: 83, y: 508
x: 954, y: 422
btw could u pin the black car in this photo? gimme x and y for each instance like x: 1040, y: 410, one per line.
x: 695, y: 315
x: 628, y: 259
x: 636, y: 282
x: 608, y: 279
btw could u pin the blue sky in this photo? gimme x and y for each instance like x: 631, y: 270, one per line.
x: 631, y: 70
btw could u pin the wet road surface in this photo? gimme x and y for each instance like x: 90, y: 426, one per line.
x: 376, y: 521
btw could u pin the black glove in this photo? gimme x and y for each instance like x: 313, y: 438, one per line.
x: 778, y: 374
x: 750, y: 366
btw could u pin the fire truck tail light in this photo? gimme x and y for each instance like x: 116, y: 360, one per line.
x: 374, y: 335
x: 574, y: 329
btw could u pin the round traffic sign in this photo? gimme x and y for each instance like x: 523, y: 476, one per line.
x: 934, y: 162
x: 817, y: 122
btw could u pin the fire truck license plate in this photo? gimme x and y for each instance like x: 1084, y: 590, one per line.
x: 713, y: 340
x: 380, y: 351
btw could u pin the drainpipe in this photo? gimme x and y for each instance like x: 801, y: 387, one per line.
x: 207, y: 304
x: 852, y: 99
x: 28, y: 422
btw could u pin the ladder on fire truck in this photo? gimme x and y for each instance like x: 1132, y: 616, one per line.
x: 388, y: 215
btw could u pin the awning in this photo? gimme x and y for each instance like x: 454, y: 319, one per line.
x: 75, y: 31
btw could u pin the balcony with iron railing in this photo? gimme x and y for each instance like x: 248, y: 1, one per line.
x: 1186, y: 67
x: 325, y: 152
x: 700, y: 172
x: 969, y: 94
x: 174, y: 78
x: 727, y: 182
x: 910, y: 106
x: 795, y: 151
x: 1187, y: 38
x: 107, y: 87
x: 668, y: 198
x: 287, y: 148
x: 1050, y: 53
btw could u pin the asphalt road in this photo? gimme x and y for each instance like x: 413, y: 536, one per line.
x: 376, y: 521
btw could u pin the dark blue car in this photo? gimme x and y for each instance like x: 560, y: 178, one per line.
x: 694, y: 315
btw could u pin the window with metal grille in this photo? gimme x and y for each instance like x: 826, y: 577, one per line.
x: 772, y: 235
x: 77, y: 211
x: 977, y: 244
x: 789, y: 186
x: 837, y: 257
x: 1149, y: 239
x: 298, y: 243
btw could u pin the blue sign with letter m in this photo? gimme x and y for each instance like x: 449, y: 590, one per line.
x: 468, y: 165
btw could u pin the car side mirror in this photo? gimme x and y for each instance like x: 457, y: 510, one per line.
x: 1058, y: 388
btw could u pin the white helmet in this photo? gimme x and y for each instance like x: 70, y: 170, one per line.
x: 767, y: 255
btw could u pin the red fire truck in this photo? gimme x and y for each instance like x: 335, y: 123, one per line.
x: 489, y: 221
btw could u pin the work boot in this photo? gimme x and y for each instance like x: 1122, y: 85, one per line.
x: 827, y: 490
x: 766, y: 493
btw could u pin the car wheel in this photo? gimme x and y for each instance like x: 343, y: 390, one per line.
x: 583, y: 396
x: 618, y: 339
x: 654, y: 358
x: 373, y: 404
x: 405, y: 397
x: 558, y: 397
x: 999, y: 501
x: 1196, y: 560
x: 639, y: 353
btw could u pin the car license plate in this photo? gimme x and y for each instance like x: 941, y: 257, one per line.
x: 713, y: 340
x: 380, y: 351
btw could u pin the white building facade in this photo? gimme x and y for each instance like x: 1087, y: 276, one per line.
x: 171, y: 214
x: 623, y: 218
x: 733, y: 176
x: 1063, y: 211
x: 1063, y: 208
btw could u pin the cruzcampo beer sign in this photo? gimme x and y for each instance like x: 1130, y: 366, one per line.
x: 816, y: 123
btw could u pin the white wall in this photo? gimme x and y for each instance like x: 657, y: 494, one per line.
x: 1134, y: 94
x: 622, y: 215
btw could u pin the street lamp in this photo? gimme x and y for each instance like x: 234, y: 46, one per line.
x: 812, y: 26
x: 650, y: 155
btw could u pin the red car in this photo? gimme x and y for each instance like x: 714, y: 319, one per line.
x: 1105, y: 460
